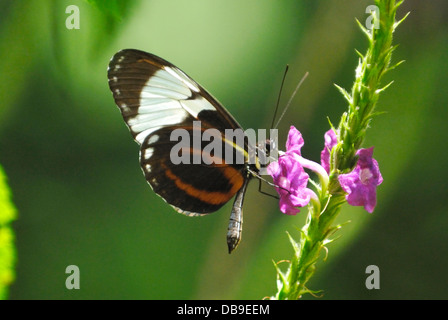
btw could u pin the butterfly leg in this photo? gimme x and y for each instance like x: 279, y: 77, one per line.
x: 265, y: 193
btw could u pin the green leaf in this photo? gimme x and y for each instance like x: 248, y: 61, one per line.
x: 294, y: 244
x: 378, y: 91
x: 401, y: 20
x: 108, y: 17
x: 7, y: 248
x: 344, y: 93
x: 365, y: 30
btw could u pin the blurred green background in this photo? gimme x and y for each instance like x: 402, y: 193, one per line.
x: 81, y: 198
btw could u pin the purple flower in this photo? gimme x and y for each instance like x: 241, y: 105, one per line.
x: 331, y: 140
x: 290, y: 179
x: 295, y: 141
x: 289, y: 176
x: 361, y: 183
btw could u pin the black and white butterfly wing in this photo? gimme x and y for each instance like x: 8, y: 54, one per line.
x: 155, y: 97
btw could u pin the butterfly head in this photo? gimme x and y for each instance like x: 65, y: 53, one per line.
x: 264, y: 151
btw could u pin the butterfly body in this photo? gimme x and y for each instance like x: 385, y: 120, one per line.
x: 157, y: 99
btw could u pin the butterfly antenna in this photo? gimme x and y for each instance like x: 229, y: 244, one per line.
x: 290, y: 99
x: 279, y: 95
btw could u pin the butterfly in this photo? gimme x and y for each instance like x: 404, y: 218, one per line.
x: 155, y: 99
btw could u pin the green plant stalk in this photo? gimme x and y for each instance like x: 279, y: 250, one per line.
x: 319, y: 228
x: 7, y: 248
x: 366, y: 89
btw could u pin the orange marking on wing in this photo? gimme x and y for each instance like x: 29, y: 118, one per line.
x: 213, y: 197
x: 151, y: 62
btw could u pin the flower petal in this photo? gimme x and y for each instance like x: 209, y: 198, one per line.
x: 331, y: 140
x: 295, y: 141
x: 291, y: 180
x: 361, y: 183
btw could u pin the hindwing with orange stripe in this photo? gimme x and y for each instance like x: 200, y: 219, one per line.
x: 192, y: 189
